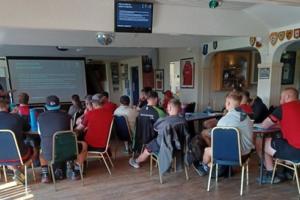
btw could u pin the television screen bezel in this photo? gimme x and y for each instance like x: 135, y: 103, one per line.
x: 132, y: 30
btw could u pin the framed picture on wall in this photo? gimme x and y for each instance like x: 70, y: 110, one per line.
x: 159, y: 79
x: 264, y: 73
x: 187, y: 70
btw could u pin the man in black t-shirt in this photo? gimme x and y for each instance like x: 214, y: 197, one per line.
x: 16, y: 124
x: 50, y: 122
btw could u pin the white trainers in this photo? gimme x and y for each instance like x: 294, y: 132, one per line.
x: 133, y: 163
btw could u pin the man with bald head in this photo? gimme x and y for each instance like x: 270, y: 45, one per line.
x: 287, y: 115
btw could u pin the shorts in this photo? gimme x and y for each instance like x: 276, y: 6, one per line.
x: 99, y: 149
x: 153, y: 147
x: 284, y: 150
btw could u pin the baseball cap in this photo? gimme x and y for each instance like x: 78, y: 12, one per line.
x: 52, y: 103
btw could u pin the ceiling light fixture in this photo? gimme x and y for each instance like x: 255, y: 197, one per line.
x: 105, y: 38
x: 214, y: 3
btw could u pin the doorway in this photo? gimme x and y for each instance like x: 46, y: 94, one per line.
x: 135, y: 85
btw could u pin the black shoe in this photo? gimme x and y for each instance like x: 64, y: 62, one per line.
x: 267, y: 177
x: 59, y: 175
x: 75, y: 175
x: 199, y: 169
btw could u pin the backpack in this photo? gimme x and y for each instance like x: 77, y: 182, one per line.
x: 196, y: 147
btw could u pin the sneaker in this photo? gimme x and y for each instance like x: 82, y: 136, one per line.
x: 75, y: 175
x: 133, y: 163
x: 45, y: 178
x: 19, y: 177
x: 199, y: 168
x: 58, y: 174
x: 267, y: 177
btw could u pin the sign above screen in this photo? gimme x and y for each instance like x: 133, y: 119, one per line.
x: 133, y: 17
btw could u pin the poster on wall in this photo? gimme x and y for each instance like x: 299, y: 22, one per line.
x: 159, y: 79
x: 187, y: 70
x: 115, y: 76
x: 264, y: 73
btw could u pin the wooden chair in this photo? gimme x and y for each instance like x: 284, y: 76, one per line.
x: 101, y: 154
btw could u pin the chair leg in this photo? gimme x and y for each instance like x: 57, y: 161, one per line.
x: 26, y: 181
x: 274, y: 170
x: 53, y: 176
x: 81, y: 175
x: 174, y: 161
x: 107, y: 167
x: 5, y: 175
x: 242, y: 180
x: 186, y: 172
x: 217, y: 166
x: 33, y: 172
x: 159, y: 173
x: 111, y: 163
x: 151, y: 165
x: 247, y: 173
x: 297, y: 178
x: 209, y: 177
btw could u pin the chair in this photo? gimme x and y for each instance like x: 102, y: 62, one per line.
x: 102, y: 154
x: 74, y: 118
x: 64, y: 148
x: 9, y: 151
x: 190, y: 108
x: 181, y: 132
x: 122, y: 129
x: 287, y: 164
x: 226, y: 150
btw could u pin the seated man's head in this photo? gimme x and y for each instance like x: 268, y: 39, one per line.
x: 125, y: 100
x: 233, y: 100
x: 75, y: 99
x: 3, y: 105
x: 88, y: 102
x: 23, y: 98
x: 245, y: 97
x: 105, y: 96
x: 152, y: 99
x: 174, y: 107
x: 289, y: 94
x: 98, y: 100
x: 168, y: 95
x: 52, y: 103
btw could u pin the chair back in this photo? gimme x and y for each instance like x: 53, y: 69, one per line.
x: 64, y: 146
x: 9, y: 149
x: 75, y: 117
x: 190, y: 108
x: 144, y: 132
x: 122, y: 128
x: 109, y: 134
x: 226, y: 147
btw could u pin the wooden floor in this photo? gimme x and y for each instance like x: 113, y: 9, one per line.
x: 135, y: 184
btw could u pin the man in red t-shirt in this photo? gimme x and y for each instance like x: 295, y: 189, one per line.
x: 108, y: 104
x: 288, y: 117
x: 187, y: 73
x: 97, y: 122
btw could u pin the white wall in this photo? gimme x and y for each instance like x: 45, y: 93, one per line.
x: 170, y: 55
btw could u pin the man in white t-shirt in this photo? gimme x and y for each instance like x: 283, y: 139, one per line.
x: 235, y: 117
x: 125, y: 110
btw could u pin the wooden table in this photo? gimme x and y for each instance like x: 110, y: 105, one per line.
x: 257, y: 129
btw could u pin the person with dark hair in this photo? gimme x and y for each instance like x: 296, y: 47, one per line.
x: 16, y: 124
x: 143, y: 97
x: 76, y: 105
x: 108, y: 104
x: 245, y: 106
x: 260, y: 110
x: 50, y: 122
x: 97, y: 123
x: 235, y: 117
x: 154, y: 146
x: 125, y: 110
x: 287, y: 147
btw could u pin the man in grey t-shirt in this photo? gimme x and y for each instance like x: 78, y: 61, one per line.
x: 234, y: 118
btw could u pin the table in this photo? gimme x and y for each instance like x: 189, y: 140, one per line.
x: 201, y: 116
x: 257, y: 129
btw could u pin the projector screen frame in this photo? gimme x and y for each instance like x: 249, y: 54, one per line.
x: 42, y: 58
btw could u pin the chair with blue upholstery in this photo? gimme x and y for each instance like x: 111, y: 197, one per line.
x: 290, y: 164
x: 226, y: 151
x: 64, y: 148
x: 122, y: 129
x: 10, y: 154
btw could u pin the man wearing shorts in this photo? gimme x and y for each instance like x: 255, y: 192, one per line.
x: 287, y: 115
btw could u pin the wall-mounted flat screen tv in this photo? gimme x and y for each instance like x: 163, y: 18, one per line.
x: 133, y: 17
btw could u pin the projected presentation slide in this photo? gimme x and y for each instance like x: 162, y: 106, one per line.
x: 42, y: 77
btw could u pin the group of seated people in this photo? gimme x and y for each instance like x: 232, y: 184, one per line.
x: 93, y: 125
